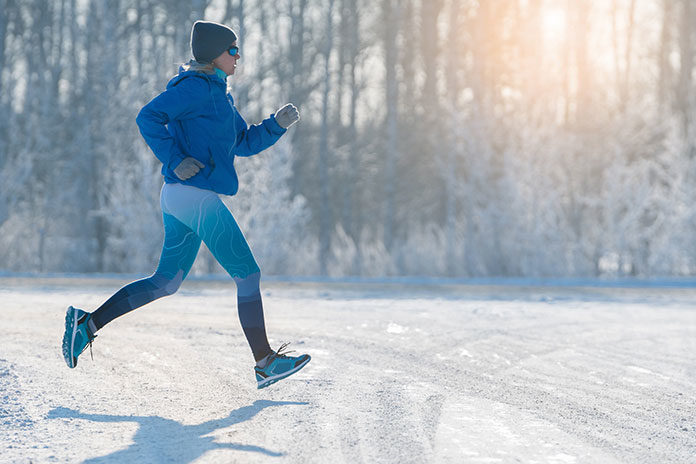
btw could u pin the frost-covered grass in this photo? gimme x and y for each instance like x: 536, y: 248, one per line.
x: 402, y: 371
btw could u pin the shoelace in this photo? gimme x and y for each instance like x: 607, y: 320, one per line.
x: 91, y: 355
x: 280, y: 353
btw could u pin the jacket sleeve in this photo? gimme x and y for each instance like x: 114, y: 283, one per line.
x: 181, y: 101
x: 254, y: 139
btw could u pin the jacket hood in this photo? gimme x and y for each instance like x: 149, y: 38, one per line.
x: 212, y: 78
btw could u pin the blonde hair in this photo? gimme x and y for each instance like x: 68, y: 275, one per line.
x: 193, y: 65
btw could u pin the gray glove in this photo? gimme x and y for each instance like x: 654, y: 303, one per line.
x: 189, y: 167
x: 287, y: 116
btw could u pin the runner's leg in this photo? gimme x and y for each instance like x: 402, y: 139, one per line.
x: 209, y: 218
x: 178, y: 253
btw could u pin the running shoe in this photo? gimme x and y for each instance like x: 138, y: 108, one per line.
x: 278, y: 366
x: 77, y: 335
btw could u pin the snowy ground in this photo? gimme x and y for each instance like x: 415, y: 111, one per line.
x: 400, y: 373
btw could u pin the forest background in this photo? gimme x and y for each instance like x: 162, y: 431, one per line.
x: 456, y: 138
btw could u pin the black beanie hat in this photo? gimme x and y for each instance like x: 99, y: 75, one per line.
x: 209, y: 39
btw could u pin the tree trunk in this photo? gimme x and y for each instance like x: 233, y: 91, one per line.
x: 665, y: 79
x: 325, y: 220
x: 686, y: 53
x: 453, y: 65
x: 390, y: 13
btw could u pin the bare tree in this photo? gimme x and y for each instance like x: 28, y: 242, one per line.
x: 325, y: 219
x: 390, y: 12
x: 686, y: 64
x: 665, y: 75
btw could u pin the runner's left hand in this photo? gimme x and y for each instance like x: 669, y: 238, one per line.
x: 287, y: 116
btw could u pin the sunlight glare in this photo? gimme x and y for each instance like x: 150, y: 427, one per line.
x: 554, y: 23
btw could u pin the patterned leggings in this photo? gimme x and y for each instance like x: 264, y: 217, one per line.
x: 190, y: 215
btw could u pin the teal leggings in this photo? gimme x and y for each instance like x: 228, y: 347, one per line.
x: 190, y: 215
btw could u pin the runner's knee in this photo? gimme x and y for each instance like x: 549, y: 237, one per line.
x: 165, y: 284
x: 249, y: 285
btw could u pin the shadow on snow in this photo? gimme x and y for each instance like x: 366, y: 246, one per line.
x: 160, y: 439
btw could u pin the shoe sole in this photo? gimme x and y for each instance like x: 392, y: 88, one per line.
x: 69, y: 337
x: 271, y: 380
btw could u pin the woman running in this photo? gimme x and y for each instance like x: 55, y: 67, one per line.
x: 195, y: 130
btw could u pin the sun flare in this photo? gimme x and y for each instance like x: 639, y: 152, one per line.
x: 553, y: 22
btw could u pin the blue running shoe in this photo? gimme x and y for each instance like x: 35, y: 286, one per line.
x: 77, y: 335
x: 278, y: 366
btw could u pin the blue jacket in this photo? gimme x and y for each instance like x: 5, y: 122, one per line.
x: 195, y: 116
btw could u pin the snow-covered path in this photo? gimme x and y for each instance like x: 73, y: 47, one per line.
x: 399, y: 374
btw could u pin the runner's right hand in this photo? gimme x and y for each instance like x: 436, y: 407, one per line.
x: 188, y: 168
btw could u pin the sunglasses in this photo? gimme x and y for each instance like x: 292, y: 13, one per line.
x: 233, y: 50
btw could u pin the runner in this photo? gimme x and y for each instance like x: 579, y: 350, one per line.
x: 195, y: 130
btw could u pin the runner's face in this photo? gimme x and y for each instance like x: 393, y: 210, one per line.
x: 226, y: 62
